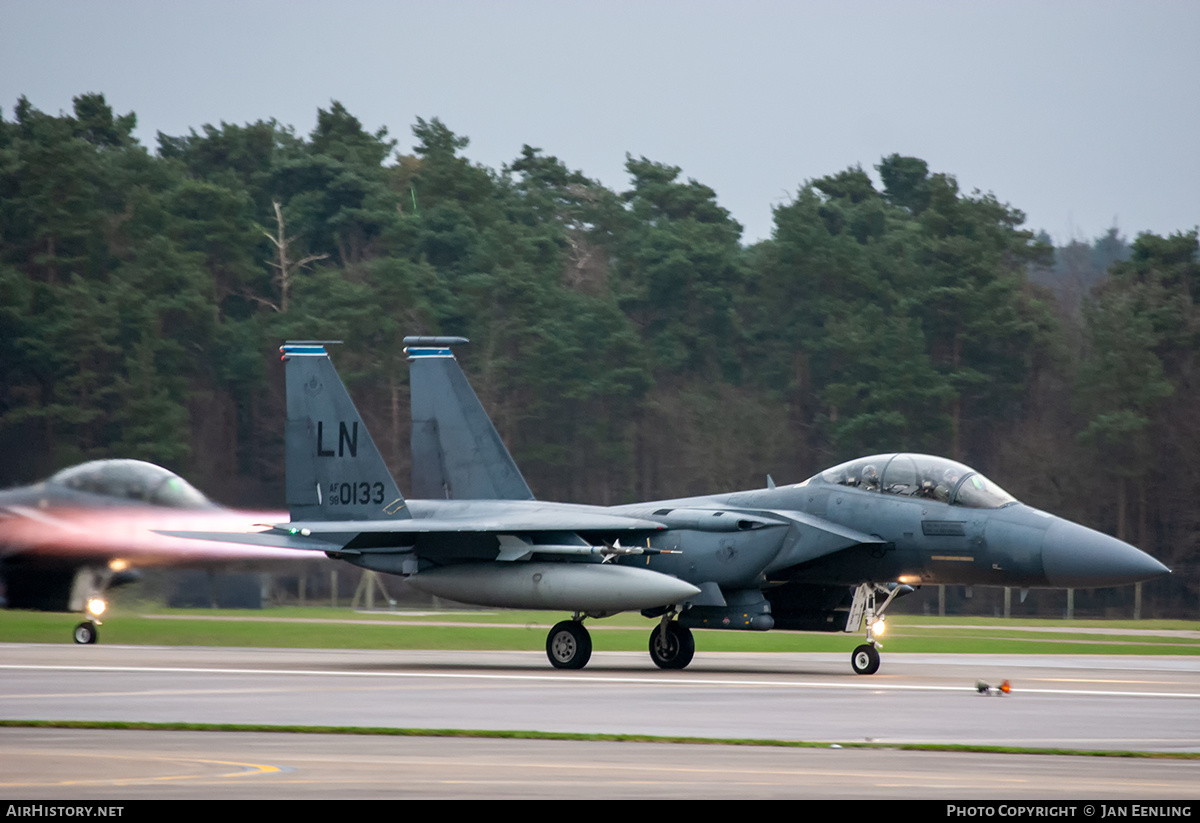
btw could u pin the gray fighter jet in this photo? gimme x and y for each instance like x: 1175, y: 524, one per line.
x: 68, y: 539
x: 828, y: 554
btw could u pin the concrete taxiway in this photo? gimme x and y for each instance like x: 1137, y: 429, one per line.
x: 1068, y: 701
x: 60, y: 764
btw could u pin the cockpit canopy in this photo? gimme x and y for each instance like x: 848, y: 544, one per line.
x: 132, y: 480
x: 919, y: 475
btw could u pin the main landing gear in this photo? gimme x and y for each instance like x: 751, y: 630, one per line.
x: 672, y: 646
x: 569, y: 646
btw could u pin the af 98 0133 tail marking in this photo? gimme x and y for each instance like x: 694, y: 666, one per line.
x: 334, y: 469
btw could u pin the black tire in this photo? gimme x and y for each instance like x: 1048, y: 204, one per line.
x: 85, y: 633
x: 569, y: 646
x: 865, y: 659
x: 679, y: 650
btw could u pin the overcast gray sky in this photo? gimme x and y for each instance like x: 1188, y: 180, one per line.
x: 1081, y: 114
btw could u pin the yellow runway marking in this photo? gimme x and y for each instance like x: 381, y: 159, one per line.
x: 243, y: 770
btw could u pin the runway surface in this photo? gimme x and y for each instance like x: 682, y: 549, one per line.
x: 51, y: 764
x: 1081, y: 702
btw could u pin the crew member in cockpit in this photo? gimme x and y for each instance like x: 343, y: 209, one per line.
x: 943, y: 490
x: 870, y: 478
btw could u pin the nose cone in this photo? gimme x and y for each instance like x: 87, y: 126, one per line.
x: 1076, y: 557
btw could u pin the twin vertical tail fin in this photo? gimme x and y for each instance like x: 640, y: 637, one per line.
x: 334, y: 470
x: 456, y: 450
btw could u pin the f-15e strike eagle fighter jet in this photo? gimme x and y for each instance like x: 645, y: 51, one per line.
x: 68, y: 539
x: 827, y: 554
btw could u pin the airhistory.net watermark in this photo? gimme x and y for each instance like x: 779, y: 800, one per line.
x: 49, y: 810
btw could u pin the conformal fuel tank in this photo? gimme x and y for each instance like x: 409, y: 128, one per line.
x: 588, y: 587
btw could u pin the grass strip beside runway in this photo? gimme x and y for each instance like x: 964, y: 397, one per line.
x: 526, y: 631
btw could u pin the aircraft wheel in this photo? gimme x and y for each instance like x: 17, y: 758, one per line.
x: 865, y: 659
x: 569, y: 646
x: 679, y: 649
x: 85, y: 633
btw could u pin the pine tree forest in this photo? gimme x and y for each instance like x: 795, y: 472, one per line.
x: 627, y: 344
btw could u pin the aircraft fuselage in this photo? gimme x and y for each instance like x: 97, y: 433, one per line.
x: 920, y: 541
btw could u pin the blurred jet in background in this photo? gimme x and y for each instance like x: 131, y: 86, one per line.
x: 66, y: 540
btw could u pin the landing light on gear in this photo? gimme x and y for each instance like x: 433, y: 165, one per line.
x: 87, y: 632
x: 865, y: 659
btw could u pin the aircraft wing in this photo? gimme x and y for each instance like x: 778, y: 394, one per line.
x: 546, y: 520
x: 333, y: 535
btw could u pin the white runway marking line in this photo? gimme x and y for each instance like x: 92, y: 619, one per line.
x: 561, y: 680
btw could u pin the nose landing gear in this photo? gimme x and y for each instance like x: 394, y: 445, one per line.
x: 85, y: 633
x: 865, y: 658
x: 88, y: 631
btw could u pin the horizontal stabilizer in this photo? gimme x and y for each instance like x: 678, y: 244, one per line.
x: 273, y: 538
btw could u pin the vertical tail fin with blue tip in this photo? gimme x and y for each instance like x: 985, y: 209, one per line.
x: 334, y: 470
x: 456, y: 450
